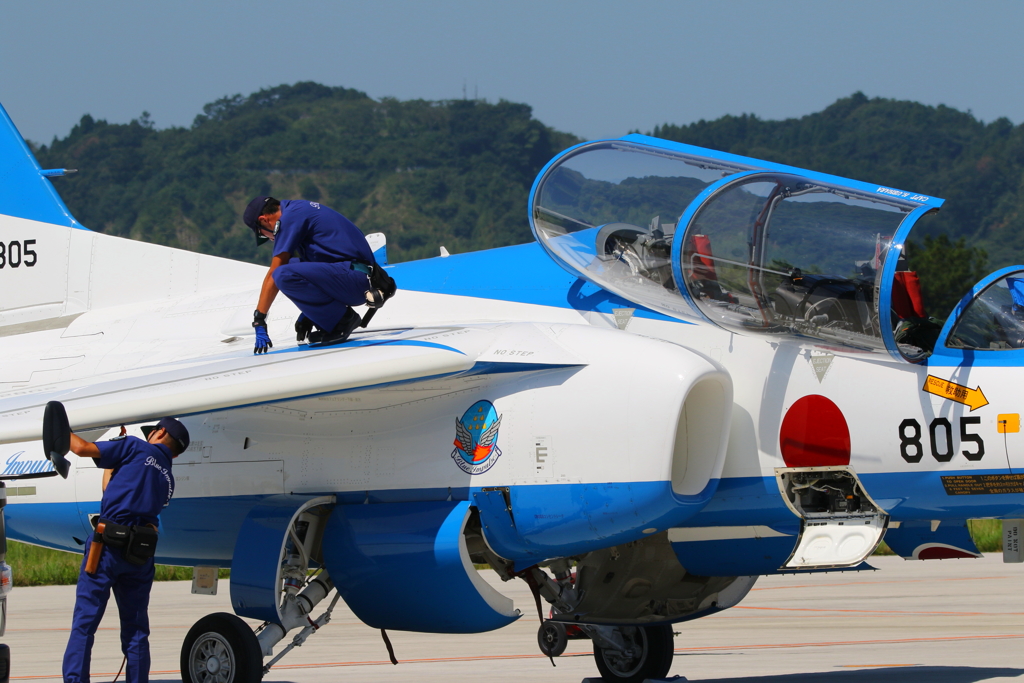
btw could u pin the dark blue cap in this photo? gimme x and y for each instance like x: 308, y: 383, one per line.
x: 174, y: 428
x: 254, y: 211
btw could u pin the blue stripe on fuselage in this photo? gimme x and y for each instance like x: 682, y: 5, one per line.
x: 906, y: 496
x: 582, y: 517
x: 188, y: 537
x: 54, y: 525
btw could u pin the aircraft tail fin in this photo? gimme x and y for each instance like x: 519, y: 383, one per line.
x: 25, y: 188
x: 52, y: 269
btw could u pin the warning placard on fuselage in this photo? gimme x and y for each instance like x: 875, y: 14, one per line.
x: 983, y: 484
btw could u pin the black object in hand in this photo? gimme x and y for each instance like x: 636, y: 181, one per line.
x: 57, y: 437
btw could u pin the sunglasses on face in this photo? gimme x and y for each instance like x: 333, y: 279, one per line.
x: 265, y: 235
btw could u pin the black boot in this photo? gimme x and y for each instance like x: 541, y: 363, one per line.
x: 341, y: 331
x: 303, y: 328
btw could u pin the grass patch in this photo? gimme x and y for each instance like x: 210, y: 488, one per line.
x: 987, y: 534
x: 35, y: 566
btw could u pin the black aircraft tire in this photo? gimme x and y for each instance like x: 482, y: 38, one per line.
x: 552, y: 638
x: 221, y: 648
x: 667, y: 636
x: 655, y: 659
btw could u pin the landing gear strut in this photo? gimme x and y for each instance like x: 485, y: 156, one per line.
x: 221, y: 648
x: 648, y: 654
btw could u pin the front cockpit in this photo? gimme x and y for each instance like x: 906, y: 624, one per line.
x: 752, y: 246
x: 992, y: 317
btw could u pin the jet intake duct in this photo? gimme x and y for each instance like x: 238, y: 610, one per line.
x: 405, y: 566
x: 638, y: 449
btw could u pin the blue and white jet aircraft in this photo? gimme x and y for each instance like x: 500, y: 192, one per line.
x: 706, y: 368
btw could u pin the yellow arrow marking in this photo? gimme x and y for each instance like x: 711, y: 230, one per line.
x: 975, y: 398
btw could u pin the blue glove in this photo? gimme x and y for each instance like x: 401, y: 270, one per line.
x: 262, y: 340
x: 259, y: 323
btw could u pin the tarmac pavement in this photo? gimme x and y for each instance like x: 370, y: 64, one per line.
x: 958, y: 621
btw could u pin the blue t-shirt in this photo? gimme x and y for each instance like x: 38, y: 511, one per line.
x: 141, y: 484
x: 313, y: 232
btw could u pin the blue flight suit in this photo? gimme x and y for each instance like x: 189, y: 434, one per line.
x: 323, y: 282
x: 140, y: 487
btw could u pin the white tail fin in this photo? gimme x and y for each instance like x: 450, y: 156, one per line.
x: 35, y: 232
x: 52, y: 268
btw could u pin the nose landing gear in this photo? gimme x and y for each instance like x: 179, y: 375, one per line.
x: 552, y: 638
x: 624, y: 654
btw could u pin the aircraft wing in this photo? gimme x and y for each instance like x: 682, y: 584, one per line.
x: 234, y: 380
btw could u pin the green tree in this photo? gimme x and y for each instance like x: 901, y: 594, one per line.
x: 458, y: 173
x: 977, y: 167
x: 947, y: 270
x: 455, y: 173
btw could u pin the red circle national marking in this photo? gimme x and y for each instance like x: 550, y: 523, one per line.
x: 814, y: 433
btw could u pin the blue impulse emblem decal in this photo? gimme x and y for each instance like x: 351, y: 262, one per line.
x: 476, y: 438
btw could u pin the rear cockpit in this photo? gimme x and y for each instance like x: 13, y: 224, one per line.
x: 752, y: 246
x: 794, y: 257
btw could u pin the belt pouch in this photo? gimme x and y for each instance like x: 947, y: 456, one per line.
x: 116, y: 535
x: 142, y: 545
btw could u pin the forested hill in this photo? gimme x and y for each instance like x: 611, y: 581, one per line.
x: 458, y: 172
x: 978, y: 168
x: 453, y: 173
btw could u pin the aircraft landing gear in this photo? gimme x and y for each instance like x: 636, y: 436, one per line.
x: 552, y: 638
x: 648, y: 654
x: 274, y: 572
x: 221, y: 648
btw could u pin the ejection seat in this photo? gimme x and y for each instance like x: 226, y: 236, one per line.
x: 911, y: 325
x: 646, y: 252
x: 703, y: 275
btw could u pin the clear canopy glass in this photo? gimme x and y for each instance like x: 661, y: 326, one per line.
x: 777, y: 253
x: 751, y: 249
x: 993, y: 320
x: 610, y: 212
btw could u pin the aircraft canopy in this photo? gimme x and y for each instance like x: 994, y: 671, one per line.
x: 991, y: 317
x: 753, y: 246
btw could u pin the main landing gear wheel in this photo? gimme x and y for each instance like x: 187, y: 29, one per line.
x: 652, y: 648
x: 221, y: 648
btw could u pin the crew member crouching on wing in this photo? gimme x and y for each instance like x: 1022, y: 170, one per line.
x: 121, y: 554
x: 322, y: 262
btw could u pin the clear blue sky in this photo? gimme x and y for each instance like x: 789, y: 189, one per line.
x: 593, y: 68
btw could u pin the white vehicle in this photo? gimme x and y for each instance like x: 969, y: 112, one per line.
x: 705, y: 369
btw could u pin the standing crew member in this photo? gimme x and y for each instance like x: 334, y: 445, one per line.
x: 141, y: 486
x: 322, y: 262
